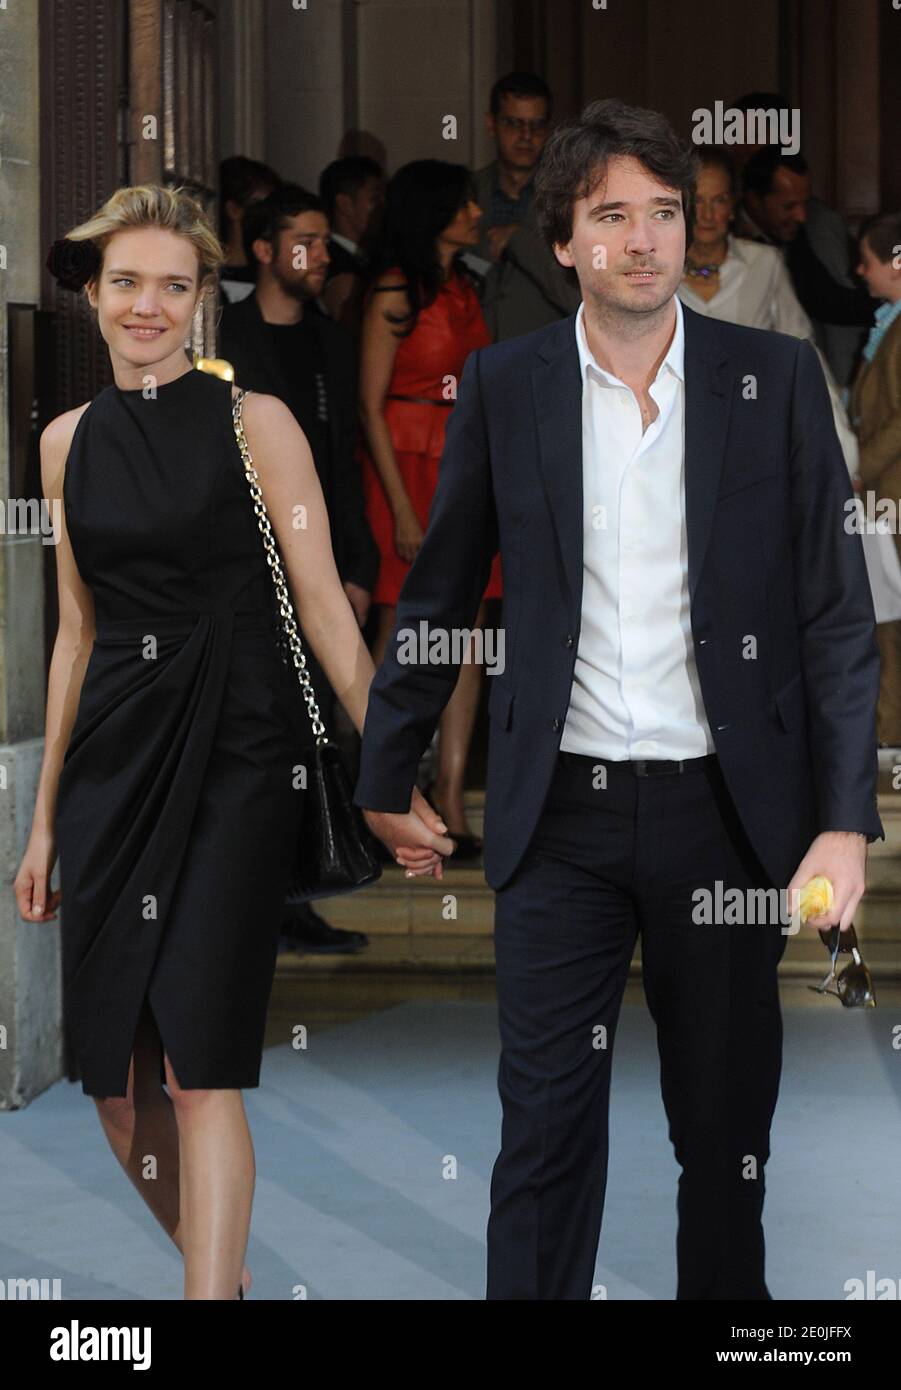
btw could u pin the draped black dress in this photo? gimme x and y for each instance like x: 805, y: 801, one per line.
x: 178, y: 809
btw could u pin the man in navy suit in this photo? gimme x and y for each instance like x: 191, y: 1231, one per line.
x: 686, y: 712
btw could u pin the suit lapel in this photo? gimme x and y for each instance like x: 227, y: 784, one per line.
x: 708, y: 378
x: 557, y: 395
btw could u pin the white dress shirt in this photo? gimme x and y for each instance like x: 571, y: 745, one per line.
x: 635, y: 690
x: 352, y: 246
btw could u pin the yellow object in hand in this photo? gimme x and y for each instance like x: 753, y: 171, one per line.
x: 816, y: 897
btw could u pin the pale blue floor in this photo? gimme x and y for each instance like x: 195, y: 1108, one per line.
x: 351, y: 1137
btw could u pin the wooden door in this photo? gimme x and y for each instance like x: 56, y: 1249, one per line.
x: 128, y: 92
x: 83, y: 71
x: 105, y: 66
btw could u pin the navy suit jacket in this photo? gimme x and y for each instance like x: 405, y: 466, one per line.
x: 768, y: 556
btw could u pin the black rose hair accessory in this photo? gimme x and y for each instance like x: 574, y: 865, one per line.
x: 74, y: 263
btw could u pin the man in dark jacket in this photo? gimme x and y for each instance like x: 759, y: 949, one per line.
x: 280, y: 342
x: 353, y: 196
x: 686, y: 714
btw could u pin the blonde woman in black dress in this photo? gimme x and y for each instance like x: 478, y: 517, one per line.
x: 173, y: 729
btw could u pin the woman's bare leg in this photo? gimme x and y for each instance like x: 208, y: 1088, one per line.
x: 387, y: 612
x: 216, y: 1181
x: 456, y: 725
x: 143, y: 1134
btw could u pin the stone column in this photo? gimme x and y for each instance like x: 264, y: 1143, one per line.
x: 241, y: 31
x: 30, y: 976
x: 377, y: 77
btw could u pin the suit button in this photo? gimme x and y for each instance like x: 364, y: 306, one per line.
x: 556, y: 725
x: 568, y: 640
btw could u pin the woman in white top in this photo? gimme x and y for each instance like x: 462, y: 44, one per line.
x: 728, y: 277
x: 741, y: 281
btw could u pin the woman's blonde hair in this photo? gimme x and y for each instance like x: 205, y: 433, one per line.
x: 150, y: 205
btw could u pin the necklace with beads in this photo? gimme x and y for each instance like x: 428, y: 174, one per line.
x: 702, y: 272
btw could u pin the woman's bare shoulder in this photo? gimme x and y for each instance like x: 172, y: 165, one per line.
x: 56, y: 441
x: 57, y: 436
x: 261, y: 405
x: 391, y: 279
x: 266, y: 417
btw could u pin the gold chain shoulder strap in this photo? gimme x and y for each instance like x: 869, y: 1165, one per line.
x: 286, y: 610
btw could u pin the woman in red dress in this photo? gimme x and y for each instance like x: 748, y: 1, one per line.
x: 422, y: 318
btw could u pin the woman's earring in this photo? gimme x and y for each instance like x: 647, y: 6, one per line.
x: 197, y: 329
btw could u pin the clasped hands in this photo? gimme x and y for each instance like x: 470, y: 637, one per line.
x: 417, y: 839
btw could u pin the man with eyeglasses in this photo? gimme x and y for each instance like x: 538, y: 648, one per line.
x: 524, y: 285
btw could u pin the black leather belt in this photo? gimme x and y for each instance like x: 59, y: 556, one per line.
x: 642, y: 767
x: 663, y: 767
x: 420, y: 400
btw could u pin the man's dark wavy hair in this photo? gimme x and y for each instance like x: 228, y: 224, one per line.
x: 575, y: 159
x: 265, y: 219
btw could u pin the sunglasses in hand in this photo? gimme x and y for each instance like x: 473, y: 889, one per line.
x: 853, y: 984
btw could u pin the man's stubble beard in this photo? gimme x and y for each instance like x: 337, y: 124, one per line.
x: 626, y: 319
x: 297, y: 289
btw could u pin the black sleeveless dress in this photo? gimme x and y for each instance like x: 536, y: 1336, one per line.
x: 177, y: 814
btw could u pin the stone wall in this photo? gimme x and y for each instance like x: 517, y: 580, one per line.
x: 376, y: 77
x: 30, y: 978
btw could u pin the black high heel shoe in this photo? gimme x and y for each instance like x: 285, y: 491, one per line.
x: 467, y: 846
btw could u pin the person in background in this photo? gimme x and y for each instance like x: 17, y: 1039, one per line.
x: 524, y: 287
x: 242, y: 181
x: 421, y: 320
x: 777, y: 208
x: 729, y: 277
x: 875, y: 408
x: 353, y: 195
x: 745, y: 280
x: 280, y: 343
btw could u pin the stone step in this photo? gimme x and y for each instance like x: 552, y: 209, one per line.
x: 404, y: 911
x: 398, y: 905
x: 804, y: 962
x: 889, y: 805
x: 326, y: 991
x: 412, y: 919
